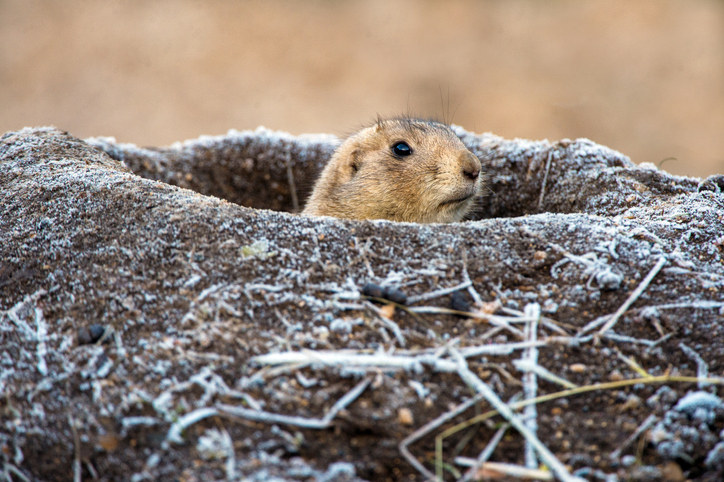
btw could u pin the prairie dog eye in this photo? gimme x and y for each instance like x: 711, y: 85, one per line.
x: 401, y: 149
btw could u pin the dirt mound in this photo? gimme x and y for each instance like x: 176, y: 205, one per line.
x: 151, y: 330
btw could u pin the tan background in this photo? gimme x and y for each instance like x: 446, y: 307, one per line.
x: 645, y: 77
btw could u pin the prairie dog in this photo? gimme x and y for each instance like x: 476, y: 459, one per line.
x: 399, y: 169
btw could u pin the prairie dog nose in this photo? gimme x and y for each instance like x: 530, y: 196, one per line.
x: 470, y: 165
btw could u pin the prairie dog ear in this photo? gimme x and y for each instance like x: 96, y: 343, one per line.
x: 354, y: 161
x: 348, y: 163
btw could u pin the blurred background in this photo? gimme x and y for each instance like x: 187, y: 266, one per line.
x: 645, y: 77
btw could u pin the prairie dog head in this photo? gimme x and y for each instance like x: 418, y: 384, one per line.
x: 399, y: 169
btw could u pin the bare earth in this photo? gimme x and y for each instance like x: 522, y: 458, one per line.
x: 151, y: 331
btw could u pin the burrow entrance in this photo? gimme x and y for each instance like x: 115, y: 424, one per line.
x: 263, y: 169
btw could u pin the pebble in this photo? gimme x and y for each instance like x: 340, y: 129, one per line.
x: 372, y: 290
x: 404, y: 415
x: 91, y: 334
x: 396, y: 296
x: 459, y: 302
x: 391, y: 294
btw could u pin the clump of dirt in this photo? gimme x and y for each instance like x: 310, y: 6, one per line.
x: 163, y: 317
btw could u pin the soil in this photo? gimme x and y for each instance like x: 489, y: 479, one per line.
x: 148, y: 298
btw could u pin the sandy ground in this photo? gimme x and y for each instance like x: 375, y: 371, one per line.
x: 645, y: 78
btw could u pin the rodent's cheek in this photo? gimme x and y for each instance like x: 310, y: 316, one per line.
x: 432, y: 190
x: 446, y: 181
x: 369, y: 185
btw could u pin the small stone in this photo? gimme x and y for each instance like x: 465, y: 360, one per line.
x: 459, y: 302
x: 109, y: 443
x: 491, y: 307
x: 391, y: 294
x: 395, y: 296
x: 388, y: 311
x: 373, y: 291
x: 672, y: 472
x: 540, y: 255
x: 91, y: 334
x: 404, y: 416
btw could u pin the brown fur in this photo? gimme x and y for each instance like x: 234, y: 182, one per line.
x: 437, y: 183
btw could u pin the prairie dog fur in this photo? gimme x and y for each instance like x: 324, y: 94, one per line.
x: 400, y: 169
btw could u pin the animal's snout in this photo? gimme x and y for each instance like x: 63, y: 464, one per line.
x: 470, y: 165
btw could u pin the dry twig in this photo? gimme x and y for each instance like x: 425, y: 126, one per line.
x: 174, y: 433
x: 544, y: 453
x: 491, y: 469
x: 545, y: 180
x: 575, y: 391
x: 438, y: 293
x: 292, y: 184
x: 530, y: 382
x: 429, y: 427
x: 702, y: 369
x: 387, y: 322
x: 650, y: 420
x: 633, y: 297
x: 76, y: 448
x: 314, y: 423
x: 527, y: 366
x: 412, y: 361
x: 485, y: 454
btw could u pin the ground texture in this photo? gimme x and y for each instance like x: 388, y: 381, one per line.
x: 165, y: 316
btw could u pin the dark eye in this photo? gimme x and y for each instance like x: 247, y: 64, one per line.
x: 401, y: 149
